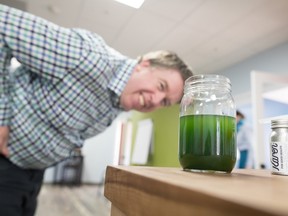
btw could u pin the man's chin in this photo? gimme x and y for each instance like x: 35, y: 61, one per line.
x: 126, y: 106
x: 137, y: 107
x: 145, y: 109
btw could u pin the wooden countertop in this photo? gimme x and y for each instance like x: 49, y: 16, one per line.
x: 135, y: 190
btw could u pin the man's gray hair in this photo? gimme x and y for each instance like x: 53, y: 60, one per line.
x: 168, y: 59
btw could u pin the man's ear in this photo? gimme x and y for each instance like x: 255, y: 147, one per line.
x: 145, y: 63
x: 140, y: 65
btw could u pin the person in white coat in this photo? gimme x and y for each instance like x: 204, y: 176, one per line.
x: 244, y: 141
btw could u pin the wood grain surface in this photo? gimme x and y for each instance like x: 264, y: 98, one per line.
x: 135, y: 190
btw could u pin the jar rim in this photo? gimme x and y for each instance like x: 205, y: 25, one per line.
x: 207, y: 81
x: 199, y: 77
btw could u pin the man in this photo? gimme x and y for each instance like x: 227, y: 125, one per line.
x: 69, y: 87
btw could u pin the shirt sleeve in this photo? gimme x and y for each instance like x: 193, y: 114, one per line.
x: 39, y: 45
x: 44, y: 47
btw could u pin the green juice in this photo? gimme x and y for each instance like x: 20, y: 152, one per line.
x: 207, y: 142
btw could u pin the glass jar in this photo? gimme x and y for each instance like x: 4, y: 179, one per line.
x: 279, y: 146
x: 207, y: 133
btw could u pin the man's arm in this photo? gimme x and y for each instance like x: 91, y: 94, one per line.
x: 5, y: 57
x: 43, y: 47
x: 4, y: 98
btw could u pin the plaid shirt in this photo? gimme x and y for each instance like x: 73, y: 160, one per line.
x: 66, y: 90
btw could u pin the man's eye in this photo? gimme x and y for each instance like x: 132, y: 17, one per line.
x: 162, y: 86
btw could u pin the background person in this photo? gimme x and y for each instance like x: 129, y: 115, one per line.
x: 244, y: 141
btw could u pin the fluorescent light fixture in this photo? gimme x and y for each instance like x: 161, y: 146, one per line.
x: 132, y: 3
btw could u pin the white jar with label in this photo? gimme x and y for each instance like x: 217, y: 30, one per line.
x: 279, y: 146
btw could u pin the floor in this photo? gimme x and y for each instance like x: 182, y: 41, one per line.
x: 85, y: 200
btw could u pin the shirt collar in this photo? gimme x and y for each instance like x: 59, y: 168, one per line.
x: 119, y: 81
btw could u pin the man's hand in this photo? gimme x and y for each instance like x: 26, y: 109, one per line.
x: 4, y: 135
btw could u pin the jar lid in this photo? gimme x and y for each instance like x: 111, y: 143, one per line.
x: 276, y: 123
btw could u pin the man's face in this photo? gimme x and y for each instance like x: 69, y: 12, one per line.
x: 150, y: 88
x: 238, y: 118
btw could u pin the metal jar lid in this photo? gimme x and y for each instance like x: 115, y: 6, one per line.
x: 277, y: 123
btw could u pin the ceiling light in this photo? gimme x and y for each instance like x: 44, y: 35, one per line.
x: 132, y: 3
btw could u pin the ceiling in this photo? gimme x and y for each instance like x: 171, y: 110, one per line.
x: 209, y: 35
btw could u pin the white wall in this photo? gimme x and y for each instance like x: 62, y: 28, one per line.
x: 273, y: 60
x: 98, y: 152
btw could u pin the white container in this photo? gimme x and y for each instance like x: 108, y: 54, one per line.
x: 279, y: 146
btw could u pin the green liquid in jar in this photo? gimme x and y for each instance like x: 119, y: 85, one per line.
x: 207, y: 142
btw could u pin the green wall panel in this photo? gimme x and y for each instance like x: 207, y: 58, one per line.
x: 166, y: 123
